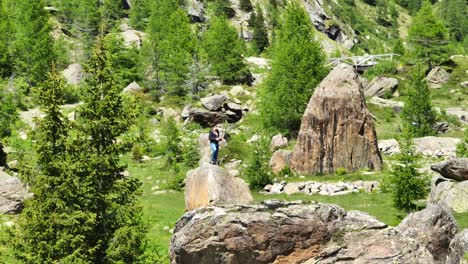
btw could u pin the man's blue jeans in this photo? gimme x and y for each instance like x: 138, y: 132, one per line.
x: 214, y: 152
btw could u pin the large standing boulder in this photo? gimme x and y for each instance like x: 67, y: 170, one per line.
x: 452, y: 194
x: 434, y: 227
x: 458, y: 248
x: 337, y: 129
x: 212, y: 185
x: 12, y: 194
x: 455, y: 169
x: 381, y: 86
x: 292, y: 232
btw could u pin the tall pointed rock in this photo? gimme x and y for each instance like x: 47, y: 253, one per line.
x: 337, y: 129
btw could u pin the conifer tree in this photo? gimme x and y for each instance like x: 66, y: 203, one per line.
x: 297, y: 67
x: 260, y: 34
x: 48, y: 219
x: 454, y: 14
x: 223, y: 8
x: 139, y: 13
x: 8, y: 112
x: 171, y: 45
x: 408, y: 184
x: 418, y: 114
x: 5, y: 40
x: 117, y: 230
x: 223, y: 48
x: 32, y: 46
x: 399, y: 48
x: 428, y: 36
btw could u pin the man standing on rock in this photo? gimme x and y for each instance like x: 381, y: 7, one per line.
x: 214, y: 143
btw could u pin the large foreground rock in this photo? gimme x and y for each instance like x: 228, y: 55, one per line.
x: 296, y: 232
x: 452, y: 194
x: 455, y: 169
x: 12, y: 194
x: 458, y: 248
x: 337, y: 129
x: 212, y: 185
x: 434, y: 227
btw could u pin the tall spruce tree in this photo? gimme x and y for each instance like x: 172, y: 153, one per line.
x: 454, y: 14
x: 260, y: 34
x: 139, y: 13
x: 5, y: 40
x: 418, y: 114
x: 297, y: 67
x: 223, y: 48
x: 117, y: 230
x: 428, y: 36
x: 52, y: 223
x: 32, y: 45
x: 171, y: 45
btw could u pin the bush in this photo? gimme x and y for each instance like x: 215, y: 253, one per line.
x: 382, y: 68
x: 191, y: 153
x: 340, y: 171
x: 258, y: 172
x: 286, y: 172
x: 176, y: 182
x: 462, y: 147
x: 137, y: 152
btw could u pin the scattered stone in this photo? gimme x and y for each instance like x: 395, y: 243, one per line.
x: 441, y: 127
x: 437, y: 77
x: 339, y: 133
x: 212, y: 185
x: 310, y: 188
x: 437, y: 146
x: 277, y: 142
x: 186, y: 112
x: 166, y: 228
x: 254, y: 138
x: 214, y: 102
x: 259, y: 62
x: 31, y: 115
x: 134, y: 87
x: 170, y: 113
x: 389, y: 147
x: 381, y: 86
x: 464, y: 84
x: 12, y: 194
x: 279, y: 160
x: 132, y: 37
x: 461, y: 113
x: 434, y: 228
x: 455, y: 169
x: 195, y: 11
x: 73, y: 74
x: 380, y: 102
x: 13, y: 164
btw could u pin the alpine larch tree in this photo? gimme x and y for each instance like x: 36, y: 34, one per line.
x: 297, y: 67
x: 428, y: 36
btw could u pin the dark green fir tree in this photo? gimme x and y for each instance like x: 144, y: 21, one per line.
x: 297, y: 67
x: 260, y: 33
x: 428, y: 36
x: 223, y: 49
x: 116, y: 232
x: 418, y: 114
x: 32, y: 46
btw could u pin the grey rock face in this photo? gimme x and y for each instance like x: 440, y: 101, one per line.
x: 437, y: 77
x: 12, y: 194
x: 294, y: 232
x: 214, y: 102
x: 212, y: 185
x: 455, y: 169
x: 381, y: 86
x: 73, y: 74
x: 434, y: 227
x: 452, y: 194
x: 457, y: 249
x: 437, y: 146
